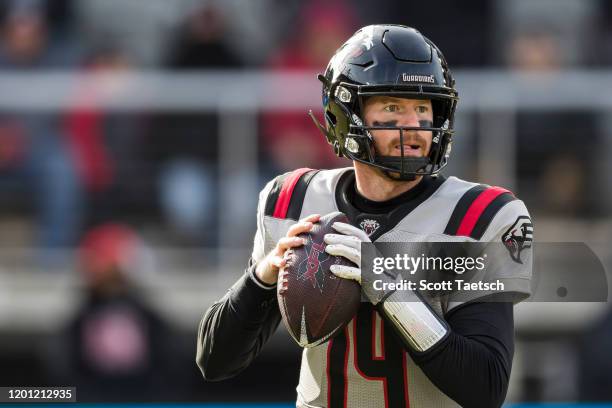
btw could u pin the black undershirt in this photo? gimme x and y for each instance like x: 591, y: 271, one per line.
x: 472, y: 365
x: 384, y: 207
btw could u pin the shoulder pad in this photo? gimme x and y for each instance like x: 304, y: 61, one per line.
x: 476, y: 209
x: 286, y: 197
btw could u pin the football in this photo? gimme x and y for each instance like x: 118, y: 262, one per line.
x: 314, y: 303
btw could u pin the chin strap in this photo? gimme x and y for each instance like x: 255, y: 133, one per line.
x: 407, y: 167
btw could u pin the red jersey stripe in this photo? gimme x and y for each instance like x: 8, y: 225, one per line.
x: 477, y: 208
x: 284, y: 198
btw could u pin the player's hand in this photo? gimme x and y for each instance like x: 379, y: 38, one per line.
x: 348, y: 245
x: 268, y: 268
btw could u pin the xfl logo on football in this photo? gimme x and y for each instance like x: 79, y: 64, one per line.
x: 311, y: 268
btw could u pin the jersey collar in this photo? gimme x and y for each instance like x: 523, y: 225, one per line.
x: 376, y: 218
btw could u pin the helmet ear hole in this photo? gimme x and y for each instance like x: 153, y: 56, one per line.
x: 440, y: 113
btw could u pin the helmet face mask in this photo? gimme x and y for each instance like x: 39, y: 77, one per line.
x: 387, y: 60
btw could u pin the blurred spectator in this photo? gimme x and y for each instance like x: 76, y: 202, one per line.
x: 146, y: 29
x: 245, y: 20
x: 568, y: 23
x: 202, y: 43
x: 116, y: 348
x: 33, y: 157
x: 553, y: 155
x: 31, y: 41
x: 184, y: 147
x: 142, y: 28
x: 57, y: 14
x: 290, y: 139
x: 553, y: 162
x: 534, y: 51
x: 105, y: 145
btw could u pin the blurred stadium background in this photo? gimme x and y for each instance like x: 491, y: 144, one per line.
x: 135, y: 136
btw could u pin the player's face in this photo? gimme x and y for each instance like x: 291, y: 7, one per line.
x: 391, y: 111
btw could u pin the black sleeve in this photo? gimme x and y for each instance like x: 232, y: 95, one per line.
x: 472, y: 365
x: 234, y: 329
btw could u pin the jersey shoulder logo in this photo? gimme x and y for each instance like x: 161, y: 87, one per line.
x: 369, y: 226
x: 518, y: 237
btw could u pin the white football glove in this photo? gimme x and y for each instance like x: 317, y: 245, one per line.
x: 348, y: 245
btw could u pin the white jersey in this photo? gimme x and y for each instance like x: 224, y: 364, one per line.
x: 364, y: 366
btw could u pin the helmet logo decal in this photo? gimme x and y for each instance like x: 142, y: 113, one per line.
x: 368, y: 37
x: 361, y: 42
x: 418, y: 78
x: 369, y: 226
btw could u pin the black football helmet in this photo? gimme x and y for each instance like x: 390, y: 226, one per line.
x: 391, y: 60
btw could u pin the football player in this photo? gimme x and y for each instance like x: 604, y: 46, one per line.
x: 389, y: 102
